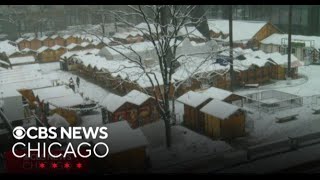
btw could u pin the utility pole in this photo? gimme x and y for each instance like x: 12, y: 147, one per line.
x: 289, y: 42
x: 231, y: 47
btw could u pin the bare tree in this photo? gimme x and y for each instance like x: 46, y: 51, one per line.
x: 161, y: 27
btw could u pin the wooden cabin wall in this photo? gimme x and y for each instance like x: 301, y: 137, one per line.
x: 59, y: 41
x: 35, y: 44
x: 47, y: 56
x: 212, y: 126
x: 234, y: 126
x: 24, y: 44
x: 70, y: 40
x: 265, y: 32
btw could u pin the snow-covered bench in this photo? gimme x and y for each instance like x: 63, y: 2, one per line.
x: 316, y: 110
x: 252, y: 85
x: 286, y: 117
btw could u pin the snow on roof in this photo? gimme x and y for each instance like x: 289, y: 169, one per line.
x: 71, y: 46
x: 81, y: 52
x: 66, y: 36
x: 125, y: 35
x: 277, y: 38
x: 43, y: 48
x: 56, y: 47
x: 8, y: 47
x: 19, y: 40
x: 84, y: 44
x: 43, y: 38
x: 242, y: 30
x: 52, y: 92
x: 57, y: 121
x: 6, y: 92
x: 192, y: 32
x: 21, y: 60
x: 112, y: 102
x: 18, y: 75
x: 121, y: 137
x: 54, y: 36
x: 219, y: 109
x: 191, y: 66
x: 136, y: 97
x: 66, y: 101
x: 28, y: 67
x: 216, y: 93
x: 193, y: 99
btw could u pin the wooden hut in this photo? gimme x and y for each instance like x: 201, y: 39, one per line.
x: 23, y: 43
x: 118, y: 108
x: 58, y: 40
x: 147, y: 111
x: 69, y: 39
x: 127, y: 150
x: 223, y: 120
x: 46, y: 54
x: 35, y: 43
x: 193, y: 102
x: 58, y: 51
x: 45, y: 41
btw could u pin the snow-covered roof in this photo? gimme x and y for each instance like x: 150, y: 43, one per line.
x: 123, y: 68
x: 216, y: 93
x: 125, y: 35
x: 66, y: 101
x: 18, y: 75
x: 52, y: 92
x: 191, y: 32
x: 71, y: 46
x: 21, y: 60
x: 19, y: 40
x: 56, y: 47
x: 43, y: 48
x: 27, y: 50
x: 57, y: 121
x: 54, y: 36
x: 43, y: 38
x: 121, y: 137
x: 136, y: 97
x: 219, y: 109
x: 242, y: 30
x: 193, y: 99
x: 191, y: 66
x: 84, y: 44
x: 276, y: 39
x: 27, y: 67
x: 8, y: 47
x: 66, y: 36
x: 112, y: 102
x: 6, y: 92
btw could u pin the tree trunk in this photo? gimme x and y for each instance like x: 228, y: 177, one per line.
x: 231, y: 47
x: 168, y: 131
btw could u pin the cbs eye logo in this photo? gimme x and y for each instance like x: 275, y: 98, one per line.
x: 19, y: 132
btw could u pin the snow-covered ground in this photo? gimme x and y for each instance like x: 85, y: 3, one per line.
x: 264, y: 126
x: 186, y: 145
x: 89, y: 90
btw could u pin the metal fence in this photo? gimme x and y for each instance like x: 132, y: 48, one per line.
x: 272, y: 101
